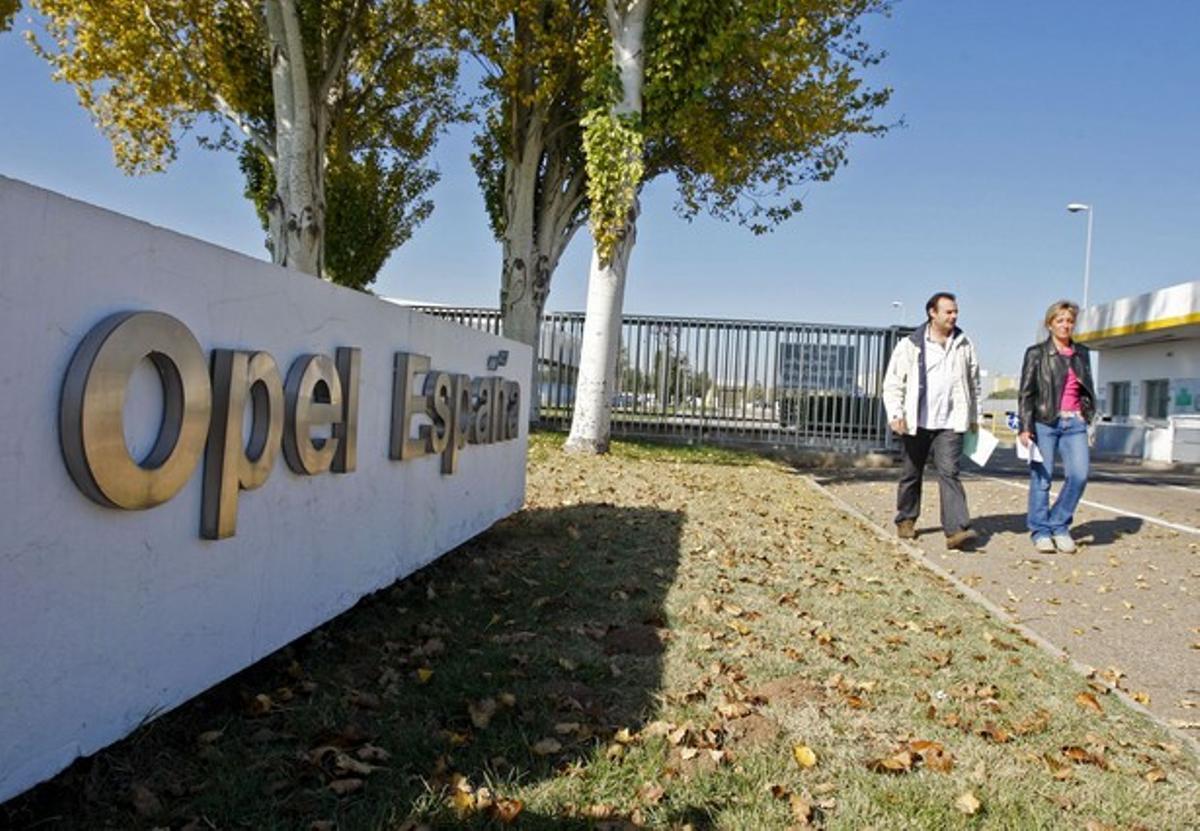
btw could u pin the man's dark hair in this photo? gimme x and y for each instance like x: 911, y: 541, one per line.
x: 932, y: 302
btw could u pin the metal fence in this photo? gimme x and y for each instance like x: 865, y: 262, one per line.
x: 738, y: 381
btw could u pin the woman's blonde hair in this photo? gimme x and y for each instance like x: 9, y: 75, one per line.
x: 1061, y: 306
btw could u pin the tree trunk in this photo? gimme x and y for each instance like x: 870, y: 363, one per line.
x: 524, y: 281
x: 592, y: 420
x: 525, y: 285
x: 296, y: 213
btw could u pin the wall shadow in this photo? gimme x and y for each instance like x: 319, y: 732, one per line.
x: 552, y: 617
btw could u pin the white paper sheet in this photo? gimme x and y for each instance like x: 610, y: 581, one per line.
x: 978, y: 446
x: 1029, y: 454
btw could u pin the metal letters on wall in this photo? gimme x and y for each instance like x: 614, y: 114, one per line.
x: 91, y: 416
x: 312, y: 416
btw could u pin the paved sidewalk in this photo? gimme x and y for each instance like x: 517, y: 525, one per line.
x: 1126, y: 603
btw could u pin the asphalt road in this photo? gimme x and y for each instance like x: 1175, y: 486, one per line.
x: 1126, y: 603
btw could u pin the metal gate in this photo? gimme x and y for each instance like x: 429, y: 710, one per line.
x: 772, y: 383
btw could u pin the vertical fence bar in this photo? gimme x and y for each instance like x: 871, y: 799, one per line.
x: 698, y: 378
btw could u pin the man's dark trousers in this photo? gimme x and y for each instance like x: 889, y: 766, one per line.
x: 946, y: 448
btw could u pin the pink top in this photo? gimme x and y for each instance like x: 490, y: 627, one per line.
x: 1070, y: 394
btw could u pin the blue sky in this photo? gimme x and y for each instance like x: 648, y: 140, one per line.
x: 1012, y: 110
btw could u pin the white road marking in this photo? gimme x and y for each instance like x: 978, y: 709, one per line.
x: 1187, y: 529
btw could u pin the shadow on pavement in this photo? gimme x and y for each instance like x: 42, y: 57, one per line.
x: 1094, y: 533
x: 1106, y: 531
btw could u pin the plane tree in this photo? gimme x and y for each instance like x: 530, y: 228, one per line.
x: 742, y: 102
x: 534, y: 57
x: 333, y: 105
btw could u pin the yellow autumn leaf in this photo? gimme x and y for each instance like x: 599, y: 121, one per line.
x: 968, y: 804
x: 804, y: 756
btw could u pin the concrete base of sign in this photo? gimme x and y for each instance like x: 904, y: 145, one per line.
x: 110, y: 617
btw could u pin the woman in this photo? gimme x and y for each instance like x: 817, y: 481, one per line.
x: 1057, y: 402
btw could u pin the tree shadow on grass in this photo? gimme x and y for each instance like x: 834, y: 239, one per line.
x: 548, y: 626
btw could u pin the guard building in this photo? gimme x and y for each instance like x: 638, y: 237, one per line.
x: 1147, y: 373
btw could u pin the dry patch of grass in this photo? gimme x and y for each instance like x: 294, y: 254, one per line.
x: 658, y: 641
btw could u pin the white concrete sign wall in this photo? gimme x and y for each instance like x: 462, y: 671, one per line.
x: 111, y: 616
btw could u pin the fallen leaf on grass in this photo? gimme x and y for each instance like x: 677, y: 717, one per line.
x: 481, y: 712
x: 996, y: 642
x: 423, y: 675
x: 804, y: 756
x: 623, y: 736
x: 968, y: 804
x: 345, y: 787
x: 1035, y: 723
x: 1083, y: 757
x: 144, y: 800
x: 364, y: 700
x: 1155, y: 775
x: 933, y: 755
x: 901, y: 762
x: 371, y: 753
x: 506, y: 810
x: 546, y: 747
x: 734, y: 709
x: 1057, y: 768
x: 260, y: 705
x: 651, y: 793
x: 1089, y: 702
x: 994, y: 733
x: 802, y: 810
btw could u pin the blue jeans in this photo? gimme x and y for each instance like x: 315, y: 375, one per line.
x: 1067, y: 437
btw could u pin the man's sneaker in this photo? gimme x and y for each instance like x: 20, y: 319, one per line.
x: 1063, y: 543
x: 1044, y: 545
x: 906, y: 529
x: 961, y: 540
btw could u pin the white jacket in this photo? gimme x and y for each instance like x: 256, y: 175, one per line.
x: 904, y: 383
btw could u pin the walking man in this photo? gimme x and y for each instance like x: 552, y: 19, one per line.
x: 931, y: 393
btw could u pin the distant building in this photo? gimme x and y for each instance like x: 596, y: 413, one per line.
x: 817, y: 366
x: 1148, y: 373
x: 995, y: 384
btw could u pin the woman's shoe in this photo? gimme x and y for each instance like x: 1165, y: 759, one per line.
x: 1064, y: 543
x: 1045, y: 545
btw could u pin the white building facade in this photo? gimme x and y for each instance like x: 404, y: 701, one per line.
x: 1148, y: 373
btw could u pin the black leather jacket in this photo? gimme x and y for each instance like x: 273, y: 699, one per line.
x: 1043, y: 376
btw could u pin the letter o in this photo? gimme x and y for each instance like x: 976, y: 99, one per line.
x: 91, y: 412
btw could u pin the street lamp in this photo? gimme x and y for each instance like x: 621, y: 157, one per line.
x: 897, y: 304
x: 1076, y: 207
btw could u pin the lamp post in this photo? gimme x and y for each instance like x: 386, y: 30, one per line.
x: 1076, y: 207
x: 898, y: 304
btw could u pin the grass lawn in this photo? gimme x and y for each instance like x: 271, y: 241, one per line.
x: 665, y: 637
